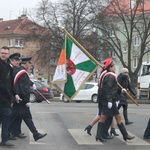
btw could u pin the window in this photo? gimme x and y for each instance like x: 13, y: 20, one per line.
x: 87, y: 86
x: 37, y: 84
x: 18, y: 42
x: 137, y: 40
x: 113, y: 54
x: 135, y: 62
x: 133, y: 3
x: 10, y: 42
x: 111, y: 33
x: 124, y: 49
x: 146, y: 70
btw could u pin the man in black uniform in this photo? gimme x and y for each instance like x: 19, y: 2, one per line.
x: 6, y: 91
x: 22, y: 84
x: 15, y: 126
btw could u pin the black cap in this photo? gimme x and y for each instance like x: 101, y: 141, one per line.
x: 25, y: 59
x: 15, y: 56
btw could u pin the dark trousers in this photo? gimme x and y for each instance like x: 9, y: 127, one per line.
x: 18, y: 126
x: 15, y: 125
x: 22, y: 112
x: 5, y: 116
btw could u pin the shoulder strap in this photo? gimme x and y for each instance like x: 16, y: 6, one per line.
x: 111, y: 74
x: 18, y: 75
x: 101, y: 78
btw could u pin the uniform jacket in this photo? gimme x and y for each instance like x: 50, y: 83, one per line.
x: 6, y: 84
x: 22, y: 85
x: 109, y: 89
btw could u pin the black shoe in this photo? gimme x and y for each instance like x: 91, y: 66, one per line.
x: 6, y: 144
x: 128, y: 137
x: 108, y: 137
x: 146, y: 137
x: 21, y: 136
x: 88, y: 129
x: 12, y: 137
x: 100, y: 139
x: 128, y: 122
x: 113, y: 132
x: 39, y: 136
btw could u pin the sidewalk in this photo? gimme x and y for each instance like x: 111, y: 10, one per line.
x: 139, y: 101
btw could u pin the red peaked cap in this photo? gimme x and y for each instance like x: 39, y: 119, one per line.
x: 107, y: 62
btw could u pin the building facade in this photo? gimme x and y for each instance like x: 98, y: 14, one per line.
x: 15, y: 34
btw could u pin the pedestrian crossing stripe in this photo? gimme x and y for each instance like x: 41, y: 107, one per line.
x: 135, y: 141
x: 82, y: 138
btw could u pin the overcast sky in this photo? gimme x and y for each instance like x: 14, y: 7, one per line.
x: 12, y: 9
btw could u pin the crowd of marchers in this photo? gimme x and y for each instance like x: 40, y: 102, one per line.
x: 15, y: 97
x: 111, y: 97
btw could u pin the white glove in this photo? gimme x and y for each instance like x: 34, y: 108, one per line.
x: 28, y: 104
x: 109, y: 105
x: 34, y: 87
x: 18, y: 99
x: 117, y: 103
x: 124, y: 90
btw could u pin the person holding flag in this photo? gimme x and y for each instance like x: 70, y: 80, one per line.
x: 108, y: 101
x: 109, y: 119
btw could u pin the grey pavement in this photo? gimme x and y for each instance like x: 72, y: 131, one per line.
x: 65, y: 124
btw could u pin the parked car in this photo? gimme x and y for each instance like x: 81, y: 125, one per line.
x: 43, y: 88
x: 87, y: 92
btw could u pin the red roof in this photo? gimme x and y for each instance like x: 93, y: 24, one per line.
x: 123, y: 6
x: 13, y: 26
x: 22, y: 25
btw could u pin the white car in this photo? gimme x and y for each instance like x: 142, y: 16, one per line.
x: 87, y: 92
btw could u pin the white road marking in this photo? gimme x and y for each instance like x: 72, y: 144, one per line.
x: 82, y: 138
x: 135, y: 141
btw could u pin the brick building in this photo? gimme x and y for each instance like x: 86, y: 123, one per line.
x: 15, y: 34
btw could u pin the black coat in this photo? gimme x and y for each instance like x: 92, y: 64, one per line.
x: 108, y: 92
x: 123, y: 79
x: 22, y: 85
x: 6, y: 84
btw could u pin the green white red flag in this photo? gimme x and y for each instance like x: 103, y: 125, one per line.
x: 74, y: 68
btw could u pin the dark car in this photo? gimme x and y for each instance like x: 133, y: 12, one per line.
x: 43, y: 88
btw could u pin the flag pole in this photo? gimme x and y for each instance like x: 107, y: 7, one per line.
x: 94, y: 60
x: 80, y: 45
x: 43, y: 96
x: 133, y: 100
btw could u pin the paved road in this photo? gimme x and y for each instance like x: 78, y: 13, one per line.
x: 65, y: 123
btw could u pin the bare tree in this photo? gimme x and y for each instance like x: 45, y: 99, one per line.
x: 122, y: 23
x: 77, y: 18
